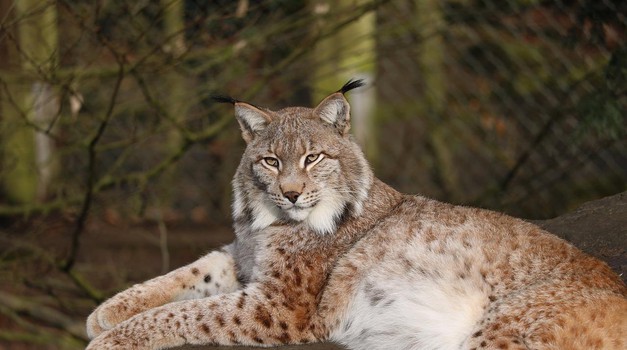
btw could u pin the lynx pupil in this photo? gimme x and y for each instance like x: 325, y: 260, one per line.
x: 311, y: 158
x: 271, y: 161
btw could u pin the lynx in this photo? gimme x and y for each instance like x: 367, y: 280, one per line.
x: 326, y: 251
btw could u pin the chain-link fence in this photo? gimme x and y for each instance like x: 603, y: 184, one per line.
x: 505, y: 104
x: 513, y: 105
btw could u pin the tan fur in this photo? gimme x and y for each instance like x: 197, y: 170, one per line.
x: 388, y: 257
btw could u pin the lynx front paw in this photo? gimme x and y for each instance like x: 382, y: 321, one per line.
x: 93, y: 327
x: 118, y: 309
x: 114, y: 340
x: 210, y: 275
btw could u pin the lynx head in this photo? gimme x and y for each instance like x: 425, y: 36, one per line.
x: 300, y: 165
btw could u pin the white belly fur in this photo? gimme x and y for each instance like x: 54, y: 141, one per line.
x: 411, y: 314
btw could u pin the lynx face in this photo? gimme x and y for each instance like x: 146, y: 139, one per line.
x: 300, y: 165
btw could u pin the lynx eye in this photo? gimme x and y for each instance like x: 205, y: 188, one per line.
x: 311, y: 158
x: 270, y: 161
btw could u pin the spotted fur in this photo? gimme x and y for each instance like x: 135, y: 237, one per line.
x: 325, y: 251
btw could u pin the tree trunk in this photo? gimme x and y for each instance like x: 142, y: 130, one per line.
x: 349, y: 53
x: 28, y: 160
x: 175, y: 95
x: 429, y: 26
x: 175, y: 98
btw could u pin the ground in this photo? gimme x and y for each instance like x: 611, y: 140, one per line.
x: 116, y: 254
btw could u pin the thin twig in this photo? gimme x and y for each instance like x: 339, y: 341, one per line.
x: 163, y: 241
x: 91, y: 174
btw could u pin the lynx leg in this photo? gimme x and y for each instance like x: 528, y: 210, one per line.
x: 545, y: 320
x: 490, y: 337
x: 210, y: 275
x: 600, y: 323
x: 247, y: 317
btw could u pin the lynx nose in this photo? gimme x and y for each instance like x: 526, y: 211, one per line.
x: 292, y: 196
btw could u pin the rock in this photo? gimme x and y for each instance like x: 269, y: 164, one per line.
x: 599, y: 228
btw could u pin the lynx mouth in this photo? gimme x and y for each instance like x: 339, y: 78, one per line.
x: 298, y: 213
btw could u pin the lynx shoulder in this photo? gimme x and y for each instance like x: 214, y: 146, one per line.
x: 326, y: 251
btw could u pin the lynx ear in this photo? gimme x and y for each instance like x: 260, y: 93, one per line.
x: 251, y: 120
x: 335, y: 110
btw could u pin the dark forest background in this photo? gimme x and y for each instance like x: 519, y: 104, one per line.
x: 109, y: 138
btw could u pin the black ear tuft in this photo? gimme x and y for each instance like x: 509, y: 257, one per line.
x: 351, y: 84
x: 224, y: 99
